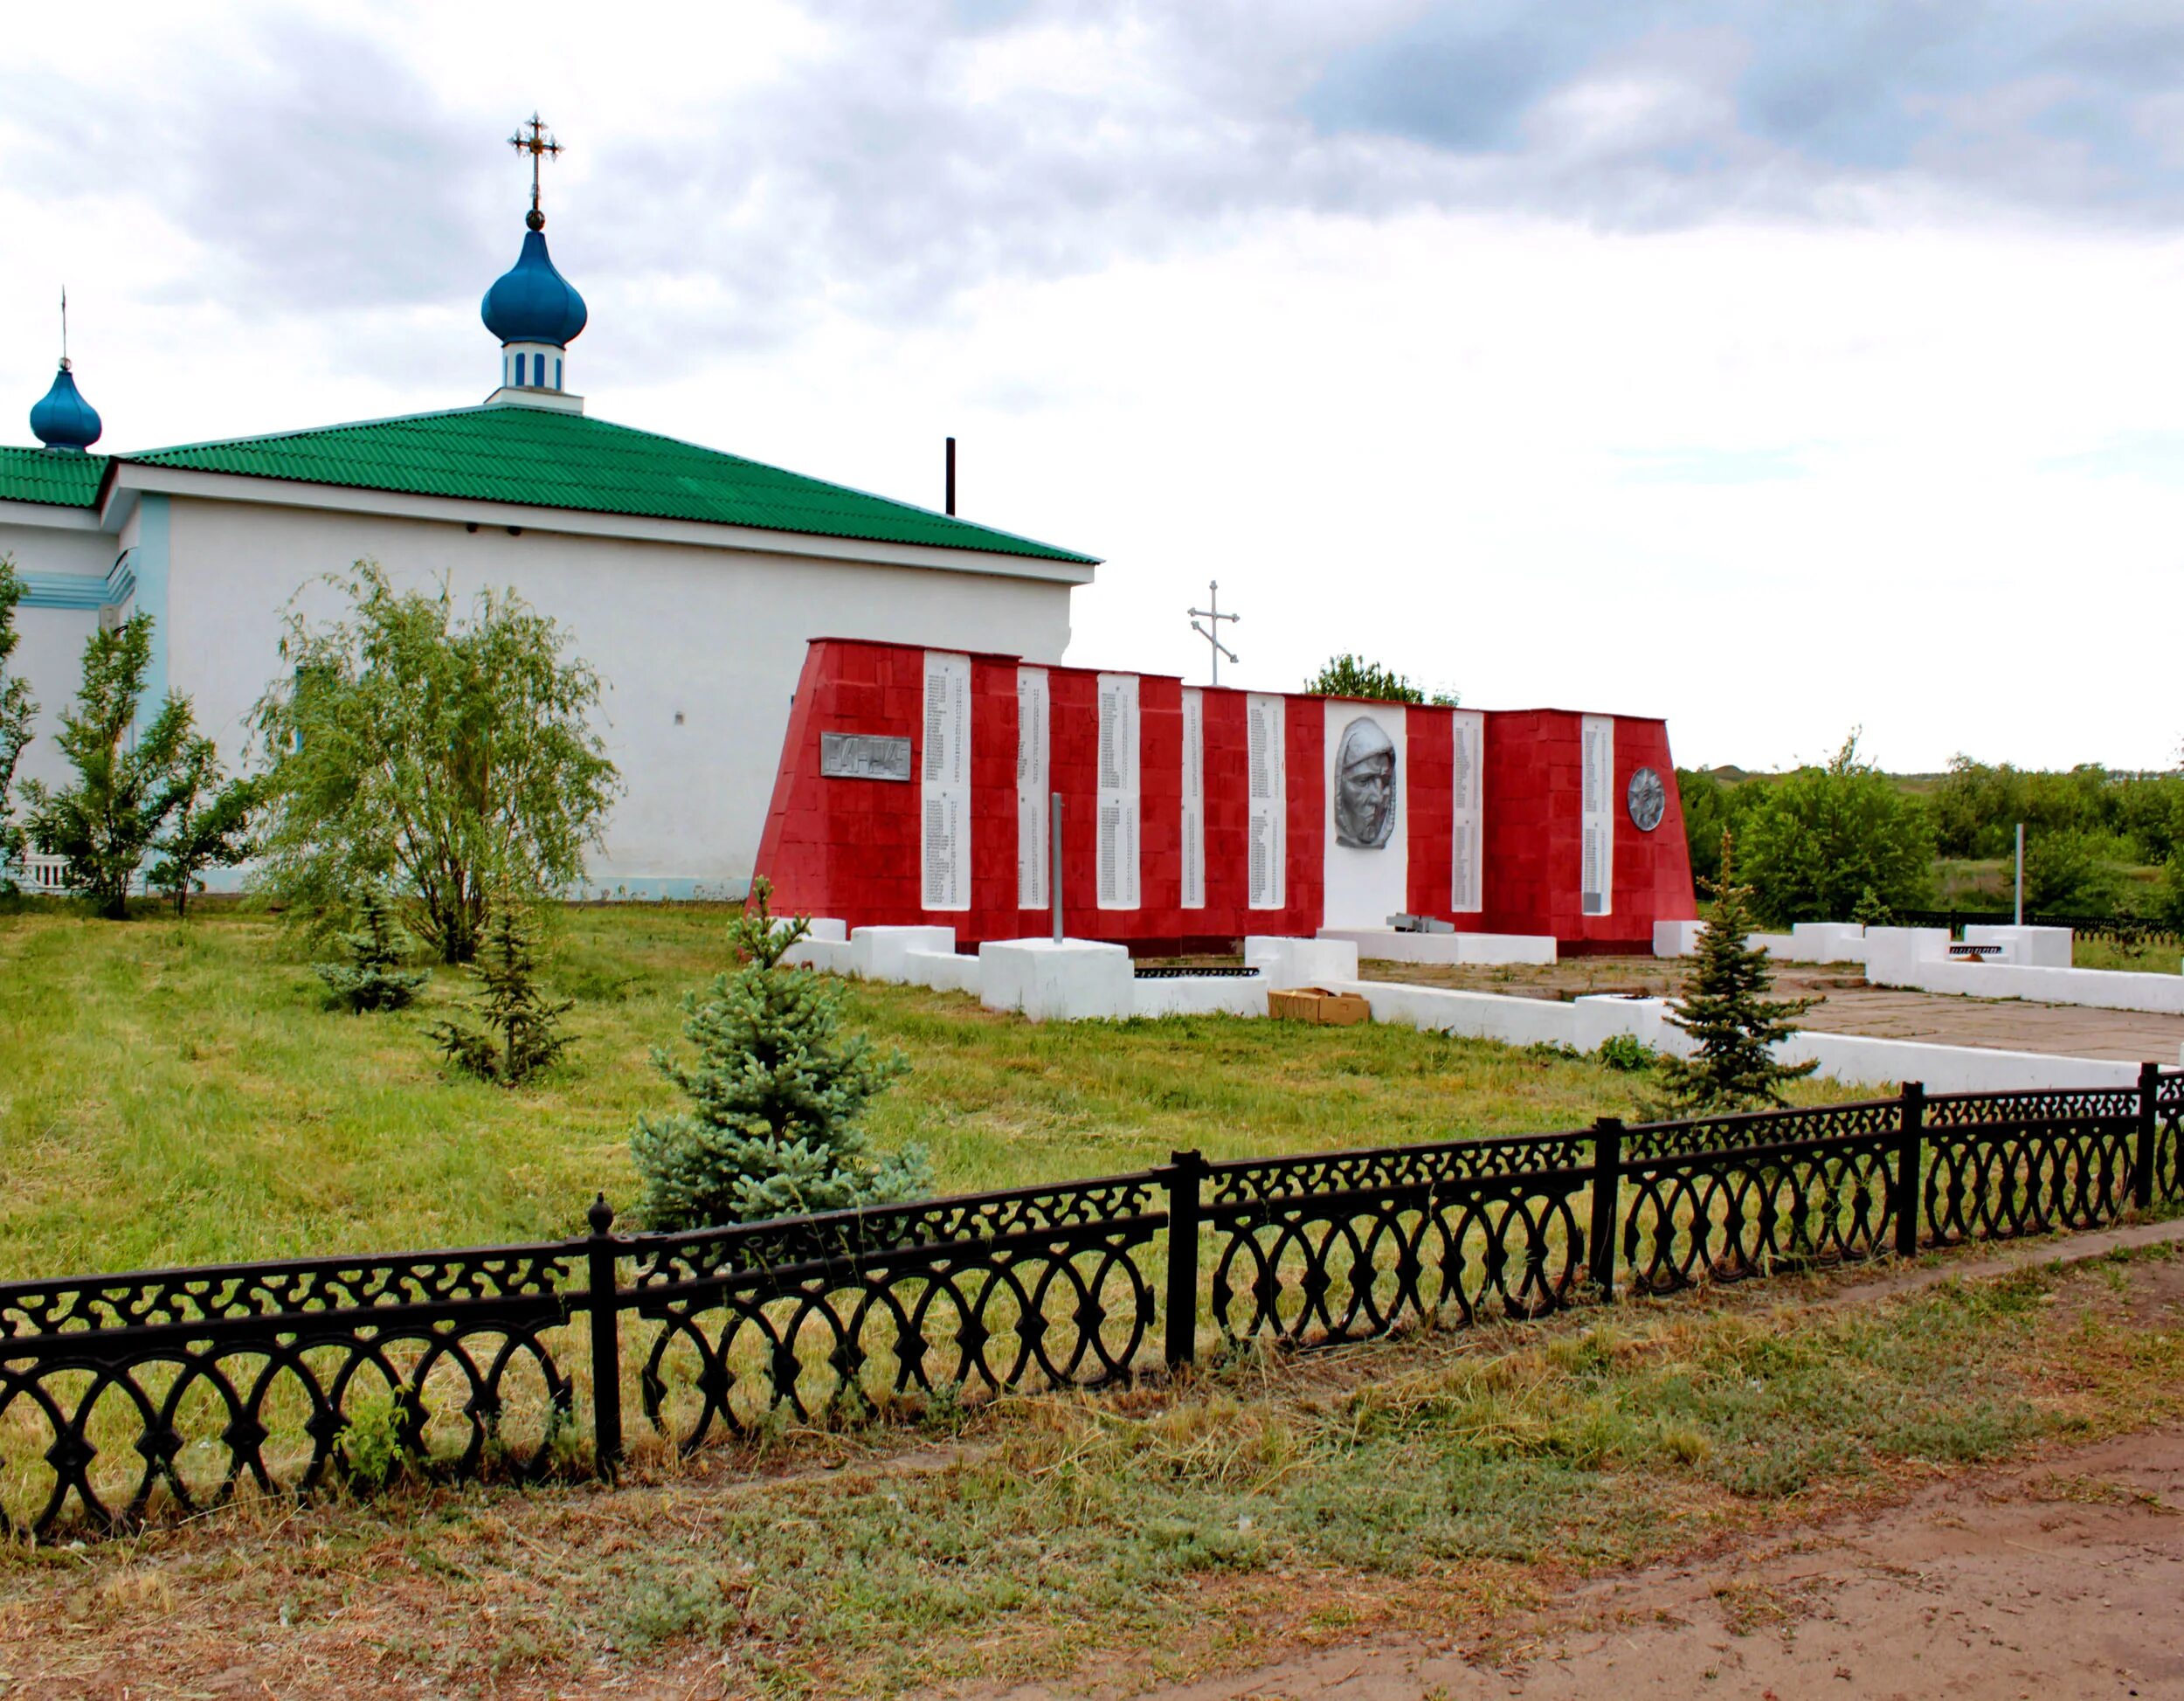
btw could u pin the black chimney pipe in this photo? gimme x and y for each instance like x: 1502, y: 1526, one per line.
x: 951, y: 476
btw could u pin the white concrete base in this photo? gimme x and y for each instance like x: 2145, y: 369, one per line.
x: 829, y: 956
x: 1806, y: 942
x: 1477, y: 1015
x: 1852, y: 1058
x: 1827, y: 942
x: 1598, y: 1017
x: 944, y: 971
x: 1293, y: 962
x: 1050, y: 980
x: 2025, y: 947
x: 1676, y: 938
x: 1384, y: 945
x: 881, y: 953
x: 1079, y: 980
x: 1891, y: 951
x: 1200, y: 995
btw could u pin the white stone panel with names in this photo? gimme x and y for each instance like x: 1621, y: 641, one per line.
x: 1032, y: 809
x: 1599, y: 811
x: 1268, y: 760
x: 945, y: 862
x: 1117, y: 827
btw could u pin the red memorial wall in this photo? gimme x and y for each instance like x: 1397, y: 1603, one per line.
x: 854, y: 843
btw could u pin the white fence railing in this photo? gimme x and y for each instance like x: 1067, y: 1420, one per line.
x: 47, y: 877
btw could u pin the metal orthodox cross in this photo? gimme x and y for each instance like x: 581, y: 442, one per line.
x: 537, y: 142
x: 1211, y: 634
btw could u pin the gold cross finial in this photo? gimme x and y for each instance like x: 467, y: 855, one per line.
x: 533, y: 138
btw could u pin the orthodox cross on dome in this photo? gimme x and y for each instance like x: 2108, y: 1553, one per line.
x: 533, y: 138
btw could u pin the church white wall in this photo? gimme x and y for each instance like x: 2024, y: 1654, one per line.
x: 715, y: 635
x: 50, y: 654
x: 50, y: 658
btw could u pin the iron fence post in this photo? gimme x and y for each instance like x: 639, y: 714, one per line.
x: 602, y: 1305
x: 2142, y: 1155
x: 1606, y: 1207
x: 1185, y: 1170
x: 1910, y: 1153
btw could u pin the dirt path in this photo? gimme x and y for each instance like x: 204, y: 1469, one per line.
x: 1850, y: 1007
x: 2065, y: 1578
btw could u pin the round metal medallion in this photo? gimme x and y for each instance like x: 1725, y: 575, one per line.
x: 1647, y: 799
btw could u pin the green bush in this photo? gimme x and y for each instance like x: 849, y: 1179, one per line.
x: 1627, y: 1053
x: 1822, y: 838
x: 455, y: 757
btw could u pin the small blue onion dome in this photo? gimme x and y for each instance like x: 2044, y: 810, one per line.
x: 531, y: 302
x: 63, y: 419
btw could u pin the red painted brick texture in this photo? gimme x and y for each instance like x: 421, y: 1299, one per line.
x: 850, y: 847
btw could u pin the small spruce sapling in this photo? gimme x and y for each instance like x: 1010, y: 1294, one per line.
x: 1869, y: 911
x: 777, y: 1094
x: 376, y: 976
x: 519, y: 1020
x: 1724, y: 1007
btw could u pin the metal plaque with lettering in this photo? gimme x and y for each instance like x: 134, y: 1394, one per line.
x: 863, y: 756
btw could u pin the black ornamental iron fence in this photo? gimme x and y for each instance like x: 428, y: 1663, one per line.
x: 127, y: 1399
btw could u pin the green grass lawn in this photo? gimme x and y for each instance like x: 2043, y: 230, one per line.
x: 178, y: 1093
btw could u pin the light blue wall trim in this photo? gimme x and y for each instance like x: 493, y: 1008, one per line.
x: 63, y: 590
x: 80, y: 590
x: 148, y: 561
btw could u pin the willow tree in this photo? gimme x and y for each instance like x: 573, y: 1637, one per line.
x: 448, y: 755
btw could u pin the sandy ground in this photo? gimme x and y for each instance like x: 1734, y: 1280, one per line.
x: 2065, y: 1579
x: 1850, y: 1006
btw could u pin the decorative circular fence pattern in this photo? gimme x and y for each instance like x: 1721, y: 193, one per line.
x: 126, y: 1400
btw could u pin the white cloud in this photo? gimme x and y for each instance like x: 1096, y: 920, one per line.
x: 1628, y: 405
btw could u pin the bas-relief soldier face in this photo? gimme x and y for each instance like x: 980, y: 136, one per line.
x: 1364, y: 786
x: 1363, y: 801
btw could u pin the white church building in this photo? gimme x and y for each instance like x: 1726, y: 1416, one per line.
x: 691, y: 579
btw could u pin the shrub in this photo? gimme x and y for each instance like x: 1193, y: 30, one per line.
x: 1725, y: 1009
x: 1627, y: 1053
x: 208, y: 825
x: 455, y: 755
x: 1348, y: 675
x: 776, y: 1096
x: 1818, y: 840
x: 2070, y: 873
x: 376, y: 976
x: 519, y: 1021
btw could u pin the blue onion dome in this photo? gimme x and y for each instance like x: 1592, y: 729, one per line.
x: 531, y: 302
x: 63, y: 419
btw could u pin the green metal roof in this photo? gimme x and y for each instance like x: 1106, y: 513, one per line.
x: 547, y: 459
x: 65, y: 478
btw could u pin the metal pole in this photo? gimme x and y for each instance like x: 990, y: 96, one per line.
x: 1053, y: 876
x: 951, y: 476
x: 2021, y: 874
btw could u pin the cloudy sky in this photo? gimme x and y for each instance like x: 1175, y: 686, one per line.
x: 1775, y: 369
